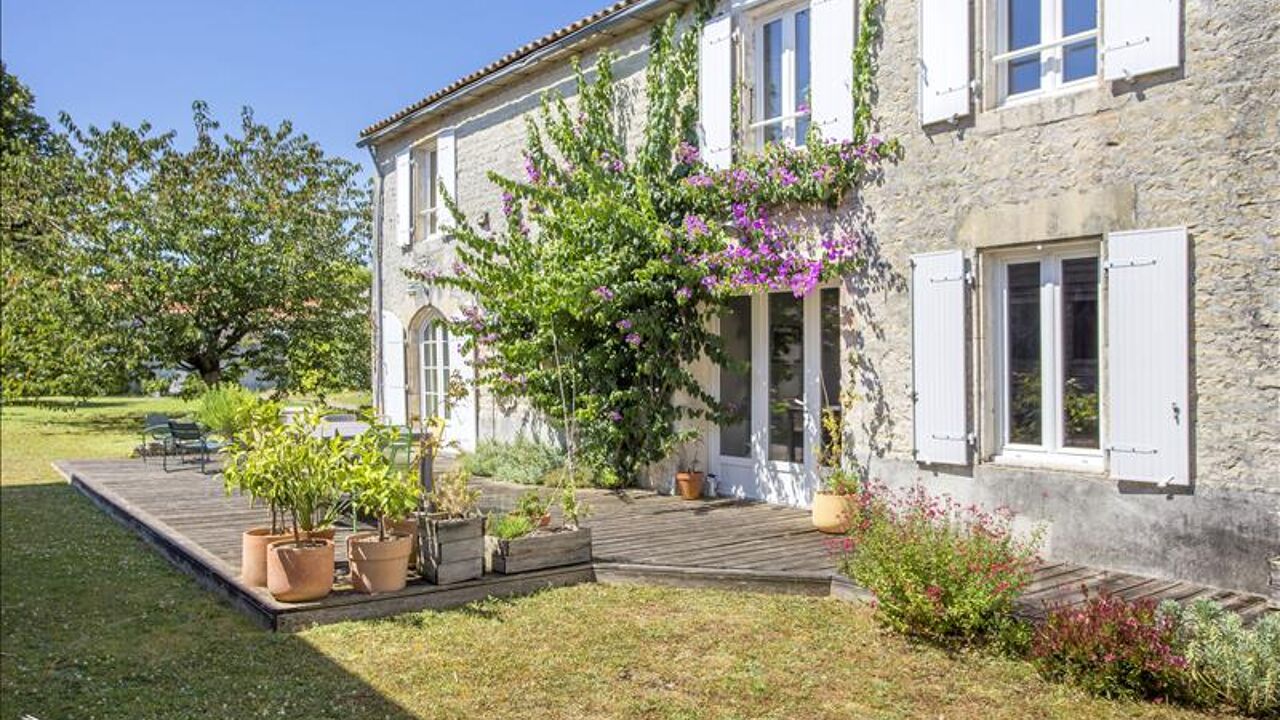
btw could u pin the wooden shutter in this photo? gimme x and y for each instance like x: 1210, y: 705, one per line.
x: 1148, y: 356
x: 394, y: 400
x: 831, y: 67
x: 1140, y: 36
x: 938, y: 292
x: 715, y: 91
x: 404, y: 199
x: 944, y: 60
x: 447, y: 174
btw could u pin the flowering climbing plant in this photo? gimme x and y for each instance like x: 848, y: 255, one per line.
x: 593, y: 299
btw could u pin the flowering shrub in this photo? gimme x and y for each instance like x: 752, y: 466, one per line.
x: 593, y: 303
x: 1226, y: 662
x: 1111, y: 647
x: 938, y: 570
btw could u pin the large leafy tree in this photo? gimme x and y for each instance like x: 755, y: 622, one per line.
x: 246, y: 250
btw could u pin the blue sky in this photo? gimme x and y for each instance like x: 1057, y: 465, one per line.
x: 331, y: 67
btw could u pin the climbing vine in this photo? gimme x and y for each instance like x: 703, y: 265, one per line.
x: 593, y: 299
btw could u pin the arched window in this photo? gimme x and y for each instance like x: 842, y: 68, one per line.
x: 433, y: 368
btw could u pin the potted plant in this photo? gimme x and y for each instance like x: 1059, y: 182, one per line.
x: 834, y: 502
x: 532, y: 506
x: 518, y: 542
x: 379, y: 561
x: 689, y: 479
x: 309, y: 473
x: 249, y: 470
x: 451, y: 547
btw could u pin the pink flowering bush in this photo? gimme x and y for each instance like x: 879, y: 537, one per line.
x: 1112, y: 647
x: 938, y: 570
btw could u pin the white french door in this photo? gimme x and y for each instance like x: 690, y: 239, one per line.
x: 439, y: 359
x: 786, y: 370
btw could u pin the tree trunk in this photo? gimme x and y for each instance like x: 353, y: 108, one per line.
x: 209, y: 367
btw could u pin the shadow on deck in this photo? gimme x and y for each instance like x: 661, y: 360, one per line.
x: 638, y: 537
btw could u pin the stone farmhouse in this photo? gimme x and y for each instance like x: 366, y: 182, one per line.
x: 1077, y: 313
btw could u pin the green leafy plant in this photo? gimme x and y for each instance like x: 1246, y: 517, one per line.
x: 226, y: 409
x: 938, y: 570
x: 842, y: 482
x: 452, y: 497
x: 573, y: 508
x: 531, y: 505
x: 376, y: 487
x: 1227, y: 663
x: 1111, y: 647
x: 510, y: 526
x: 521, y: 461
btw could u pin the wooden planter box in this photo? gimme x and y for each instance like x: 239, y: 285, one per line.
x: 534, y: 552
x: 450, y: 551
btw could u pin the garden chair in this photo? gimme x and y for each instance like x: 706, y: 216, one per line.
x: 186, y: 438
x: 155, y: 428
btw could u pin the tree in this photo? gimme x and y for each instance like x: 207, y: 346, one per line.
x: 245, y: 251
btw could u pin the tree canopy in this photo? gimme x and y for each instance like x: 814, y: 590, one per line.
x: 126, y: 254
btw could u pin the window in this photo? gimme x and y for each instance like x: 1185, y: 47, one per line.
x: 1045, y: 356
x: 735, y: 380
x: 829, y: 343
x: 782, y: 78
x: 1045, y: 45
x: 426, y: 193
x: 786, y: 377
x: 433, y: 348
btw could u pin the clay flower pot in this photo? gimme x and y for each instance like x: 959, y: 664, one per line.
x: 689, y: 485
x: 545, y: 520
x: 408, y: 526
x: 253, y: 554
x: 297, y: 572
x: 832, y: 513
x: 379, y: 566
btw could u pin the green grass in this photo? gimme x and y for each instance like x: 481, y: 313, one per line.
x: 97, y: 625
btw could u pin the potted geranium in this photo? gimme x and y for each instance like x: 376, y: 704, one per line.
x: 452, y: 532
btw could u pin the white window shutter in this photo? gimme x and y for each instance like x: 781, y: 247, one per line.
x: 938, y: 292
x: 1148, y: 356
x: 831, y: 24
x: 1140, y: 36
x: 715, y: 91
x: 394, y: 399
x: 404, y: 199
x: 944, y: 60
x: 447, y: 172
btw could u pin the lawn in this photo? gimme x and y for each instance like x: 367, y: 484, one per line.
x: 96, y: 625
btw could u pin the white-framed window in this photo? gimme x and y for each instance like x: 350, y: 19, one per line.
x: 1045, y: 46
x: 433, y: 366
x: 1045, y: 355
x: 781, y: 77
x: 425, y: 193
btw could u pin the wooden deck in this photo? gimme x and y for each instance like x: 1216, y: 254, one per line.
x: 638, y: 536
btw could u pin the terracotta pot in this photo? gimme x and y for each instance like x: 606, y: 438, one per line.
x: 689, y: 484
x: 379, y: 566
x: 300, y: 573
x: 408, y: 526
x: 832, y: 513
x: 253, y: 554
x: 545, y: 520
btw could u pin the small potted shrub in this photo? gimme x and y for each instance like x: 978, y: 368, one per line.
x: 451, y: 548
x: 835, y: 502
x: 532, y: 506
x: 689, y: 479
x: 379, y: 561
x: 250, y: 470
x: 520, y: 542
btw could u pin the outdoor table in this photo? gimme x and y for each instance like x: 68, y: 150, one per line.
x: 346, y: 429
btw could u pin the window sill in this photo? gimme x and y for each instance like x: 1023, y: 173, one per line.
x: 1067, y: 462
x: 1086, y: 98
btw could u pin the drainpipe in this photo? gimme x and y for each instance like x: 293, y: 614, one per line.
x: 376, y: 298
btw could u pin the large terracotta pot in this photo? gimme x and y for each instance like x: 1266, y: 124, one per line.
x: 832, y: 513
x: 378, y: 566
x: 689, y: 485
x: 408, y: 526
x: 253, y: 554
x: 297, y: 573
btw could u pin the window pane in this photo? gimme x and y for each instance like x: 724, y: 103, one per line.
x: 829, y: 338
x: 1023, y: 31
x: 1080, y: 352
x: 786, y: 377
x: 1080, y: 60
x: 735, y: 382
x: 771, y: 92
x: 1023, y: 313
x: 1078, y: 16
x: 802, y: 75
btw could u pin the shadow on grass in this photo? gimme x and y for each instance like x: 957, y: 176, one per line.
x: 96, y: 624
